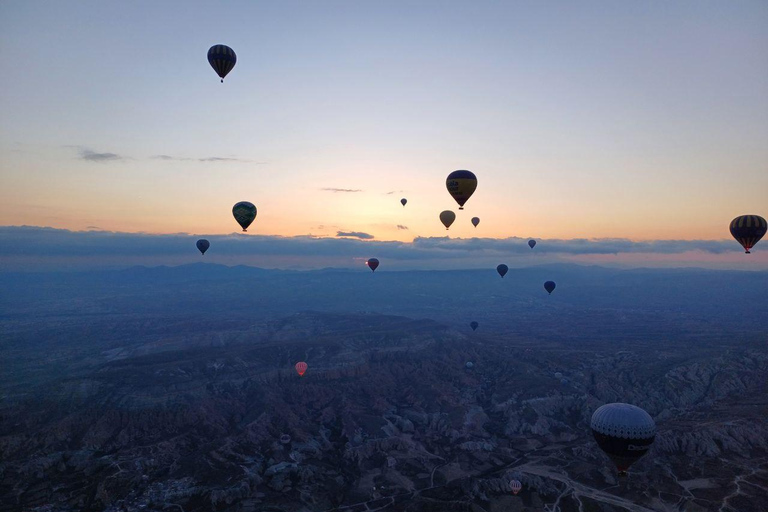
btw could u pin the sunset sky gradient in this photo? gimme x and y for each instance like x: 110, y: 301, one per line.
x: 636, y: 120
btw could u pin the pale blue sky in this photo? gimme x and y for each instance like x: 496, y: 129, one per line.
x: 645, y: 120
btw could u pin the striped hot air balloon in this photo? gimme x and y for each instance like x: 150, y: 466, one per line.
x: 301, y: 367
x: 222, y: 59
x: 748, y: 230
x: 516, y: 486
x: 461, y: 185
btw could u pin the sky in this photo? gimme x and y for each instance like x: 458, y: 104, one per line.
x: 643, y: 121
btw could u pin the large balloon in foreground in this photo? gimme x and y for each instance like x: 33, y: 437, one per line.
x: 624, y: 432
x: 222, y: 59
x: 373, y: 264
x: 203, y: 245
x: 748, y: 230
x: 244, y: 213
x: 474, y: 325
x: 475, y: 221
x: 502, y: 270
x: 301, y: 367
x: 461, y: 185
x: 447, y: 217
x: 403, y: 201
x: 516, y: 486
x: 550, y: 286
x: 531, y: 243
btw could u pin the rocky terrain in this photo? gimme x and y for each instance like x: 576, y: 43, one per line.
x: 206, y: 412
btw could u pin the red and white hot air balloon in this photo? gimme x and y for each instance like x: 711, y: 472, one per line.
x: 516, y: 486
x: 301, y: 367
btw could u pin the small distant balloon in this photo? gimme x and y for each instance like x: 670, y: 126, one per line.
x: 461, y: 185
x: 403, y: 201
x: 502, y: 270
x: 550, y: 286
x: 203, y: 245
x: 748, y: 230
x: 558, y: 375
x: 475, y: 221
x: 373, y: 264
x: 516, y: 486
x: 469, y: 365
x: 222, y: 59
x: 244, y: 213
x: 531, y: 243
x: 447, y: 217
x: 301, y: 367
x: 474, y: 325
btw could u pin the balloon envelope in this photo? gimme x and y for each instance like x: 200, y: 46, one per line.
x: 244, y: 213
x: 474, y: 325
x: 301, y: 367
x: 502, y: 270
x: 461, y: 185
x: 222, y: 59
x: 447, y: 217
x: 531, y: 243
x: 516, y: 486
x: 748, y: 230
x: 624, y: 432
x: 203, y: 245
x: 475, y: 221
x: 550, y: 286
x: 469, y: 364
x: 403, y: 201
x: 373, y: 264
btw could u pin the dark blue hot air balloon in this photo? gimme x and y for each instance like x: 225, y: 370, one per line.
x: 624, y: 432
x: 550, y: 286
x: 474, y: 325
x: 203, y: 245
x: 222, y: 59
x: 531, y: 243
x: 502, y: 270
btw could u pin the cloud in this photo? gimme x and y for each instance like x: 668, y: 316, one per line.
x: 92, y: 156
x: 341, y: 189
x: 400, y: 226
x: 355, y: 234
x: 392, y: 192
x: 170, y: 158
x: 25, y: 247
x: 220, y: 159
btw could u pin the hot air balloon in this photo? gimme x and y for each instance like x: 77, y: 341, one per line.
x: 748, y: 230
x: 474, y: 325
x: 502, y: 270
x: 301, y: 367
x: 447, y: 217
x: 475, y: 221
x: 403, y: 201
x: 624, y: 432
x: 373, y: 264
x: 550, y: 286
x: 203, y: 245
x: 469, y: 365
x: 531, y: 243
x: 558, y: 375
x: 516, y: 486
x: 461, y: 185
x: 222, y: 59
x: 244, y: 213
